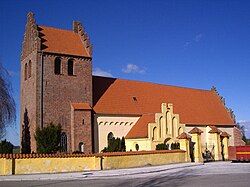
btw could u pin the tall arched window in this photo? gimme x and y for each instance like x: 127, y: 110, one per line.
x: 63, y: 142
x: 70, y: 67
x: 25, y: 71
x: 29, y: 69
x: 180, y: 130
x: 57, y: 66
x: 154, y: 133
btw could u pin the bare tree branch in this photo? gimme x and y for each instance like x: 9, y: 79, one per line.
x: 7, y: 103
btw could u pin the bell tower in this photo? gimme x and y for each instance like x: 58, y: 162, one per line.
x: 62, y: 82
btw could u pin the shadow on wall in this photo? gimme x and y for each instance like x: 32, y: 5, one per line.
x: 100, y: 86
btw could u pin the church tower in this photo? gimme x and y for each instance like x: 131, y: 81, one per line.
x: 56, y: 82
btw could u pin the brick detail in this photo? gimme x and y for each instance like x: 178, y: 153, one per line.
x: 59, y: 91
x: 81, y: 130
x: 231, y: 153
x: 237, y: 137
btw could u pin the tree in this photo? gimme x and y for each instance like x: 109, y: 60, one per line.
x: 115, y: 145
x: 48, y: 138
x: 175, y: 146
x: 123, y: 145
x: 7, y: 103
x: 25, y: 142
x: 242, y: 130
x: 6, y: 147
x: 161, y: 146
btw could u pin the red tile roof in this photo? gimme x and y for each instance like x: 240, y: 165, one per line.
x: 61, y: 41
x: 126, y: 97
x: 81, y: 106
x: 224, y: 134
x: 195, y: 130
x: 184, y: 136
x: 140, y: 129
x: 214, y: 130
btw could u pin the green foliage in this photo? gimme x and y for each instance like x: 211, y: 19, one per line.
x: 25, y: 142
x: 115, y: 145
x: 48, y: 138
x: 161, y: 146
x: 175, y: 146
x: 6, y: 147
x: 123, y: 146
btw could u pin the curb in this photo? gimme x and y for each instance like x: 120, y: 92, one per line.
x: 92, y: 176
x: 146, y: 172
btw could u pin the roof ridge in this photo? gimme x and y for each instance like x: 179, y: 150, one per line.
x: 153, y: 83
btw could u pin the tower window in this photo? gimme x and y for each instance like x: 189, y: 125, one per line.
x: 70, y: 67
x: 29, y: 69
x: 25, y: 71
x: 57, y: 67
x: 83, y: 121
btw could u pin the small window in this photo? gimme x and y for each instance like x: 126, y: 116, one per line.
x: 70, y: 67
x: 81, y: 147
x: 57, y: 67
x: 29, y: 69
x: 83, y: 121
x: 137, y: 147
x: 25, y: 71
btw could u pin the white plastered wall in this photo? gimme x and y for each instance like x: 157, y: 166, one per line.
x: 118, y: 125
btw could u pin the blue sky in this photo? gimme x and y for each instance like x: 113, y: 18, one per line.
x: 194, y: 44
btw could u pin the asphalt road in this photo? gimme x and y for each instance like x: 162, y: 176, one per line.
x: 211, y: 174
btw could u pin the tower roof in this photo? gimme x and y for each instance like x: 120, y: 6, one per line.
x: 61, y: 41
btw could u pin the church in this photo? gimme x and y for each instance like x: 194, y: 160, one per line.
x: 57, y: 86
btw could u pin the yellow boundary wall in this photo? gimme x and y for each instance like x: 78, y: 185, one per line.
x: 31, y: 164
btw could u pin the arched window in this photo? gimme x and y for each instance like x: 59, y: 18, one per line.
x: 137, y: 147
x: 81, y: 147
x: 70, y: 67
x: 25, y: 71
x: 154, y: 133
x: 180, y: 130
x: 83, y: 121
x: 160, y: 126
x: 110, y: 137
x: 29, y: 69
x: 57, y: 66
x: 174, y: 129
x: 63, y: 142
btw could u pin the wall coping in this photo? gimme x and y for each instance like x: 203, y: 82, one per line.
x: 129, y: 153
x: 71, y: 155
